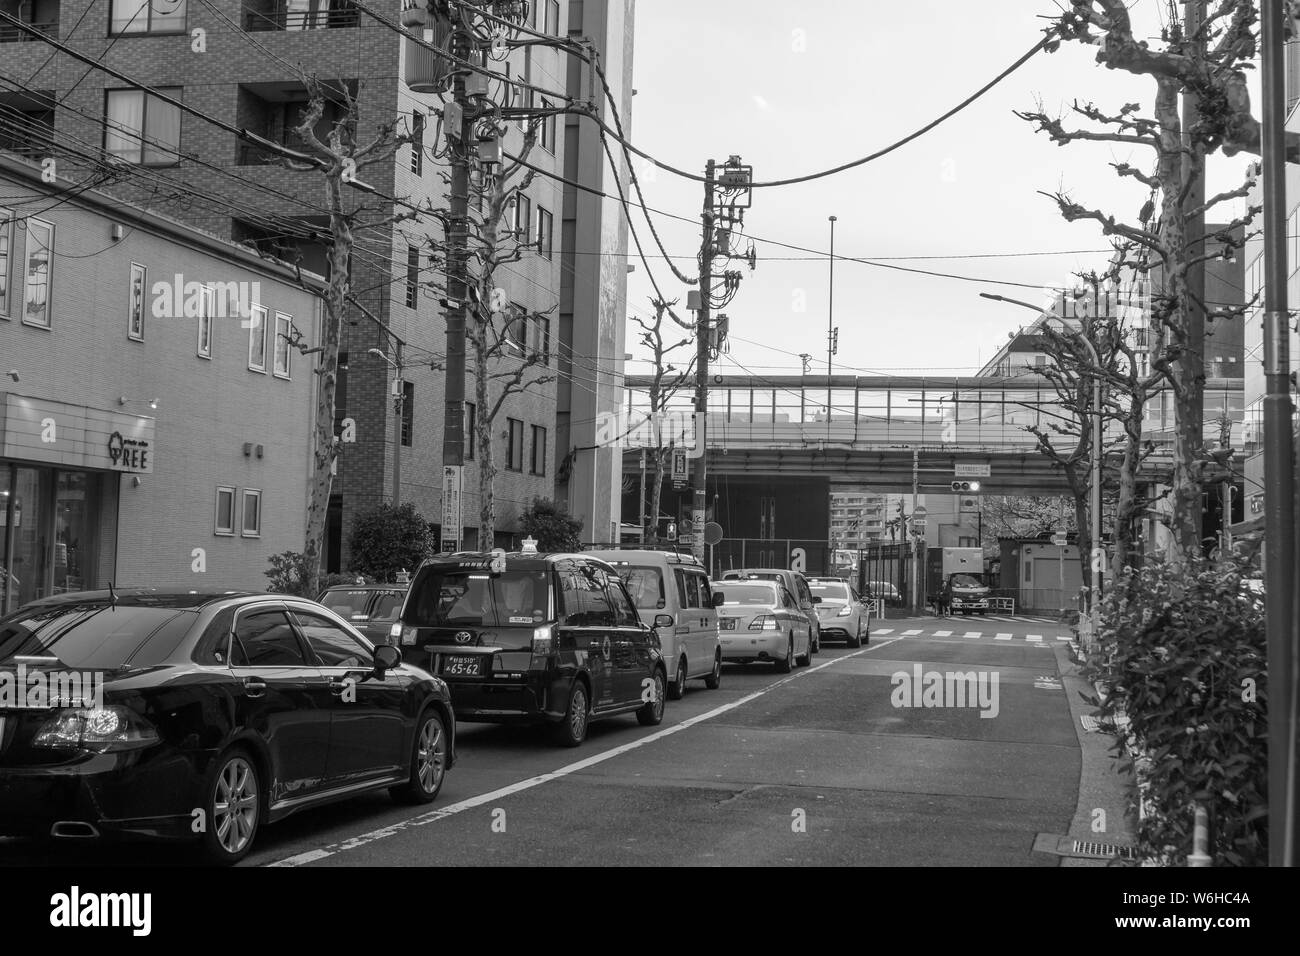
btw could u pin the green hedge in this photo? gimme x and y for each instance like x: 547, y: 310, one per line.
x: 1184, y: 657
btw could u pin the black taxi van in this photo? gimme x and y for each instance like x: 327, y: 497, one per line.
x: 527, y: 637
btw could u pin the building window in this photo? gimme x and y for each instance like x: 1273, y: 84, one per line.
x: 417, y: 142
x: 6, y: 243
x: 547, y: 138
x: 537, y: 464
x: 283, y: 344
x: 205, y: 323
x: 552, y: 26
x: 515, y: 448
x: 412, y: 276
x: 252, y: 523
x: 225, y: 523
x: 40, y: 266
x: 135, y: 304
x: 544, y: 221
x: 523, y: 217
x: 257, y: 338
x: 540, y: 343
x: 142, y: 16
x: 471, y: 426
x: 408, y: 412
x: 141, y: 128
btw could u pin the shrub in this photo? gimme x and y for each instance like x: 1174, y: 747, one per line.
x: 1183, y: 655
x: 552, y: 525
x: 288, y: 577
x: 388, y: 539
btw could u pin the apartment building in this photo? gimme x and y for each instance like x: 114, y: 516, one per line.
x: 155, y: 416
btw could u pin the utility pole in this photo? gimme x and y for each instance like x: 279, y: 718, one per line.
x: 1280, y: 560
x: 456, y: 304
x: 641, y: 500
x: 399, y: 407
x: 917, y: 590
x: 1193, y: 360
x: 700, y: 501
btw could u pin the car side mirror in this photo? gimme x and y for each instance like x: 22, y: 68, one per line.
x: 718, y: 599
x: 386, y: 658
x: 663, y: 620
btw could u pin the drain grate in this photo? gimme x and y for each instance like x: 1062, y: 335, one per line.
x: 1082, y: 849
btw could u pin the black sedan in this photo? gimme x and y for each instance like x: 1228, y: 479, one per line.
x: 174, y: 714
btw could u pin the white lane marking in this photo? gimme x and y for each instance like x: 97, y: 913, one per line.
x: 1063, y: 637
x: 1033, y: 637
x: 1002, y: 637
x: 943, y: 633
x: 971, y: 635
x: 911, y: 633
x: 883, y: 630
x: 352, y: 843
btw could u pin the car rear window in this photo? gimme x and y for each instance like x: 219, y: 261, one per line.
x: 645, y: 584
x: 94, y: 637
x: 456, y: 598
x: 346, y: 603
x: 835, y: 590
x: 753, y: 594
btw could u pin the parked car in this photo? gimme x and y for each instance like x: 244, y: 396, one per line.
x: 218, y: 712
x: 370, y: 608
x: 671, y: 592
x: 794, y: 582
x: 844, y: 614
x: 534, y: 638
x: 760, y: 620
x: 885, y: 591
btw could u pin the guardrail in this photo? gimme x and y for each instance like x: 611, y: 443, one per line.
x: 1006, y: 605
x: 300, y: 20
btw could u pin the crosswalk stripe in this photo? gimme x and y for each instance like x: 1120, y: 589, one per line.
x: 883, y: 630
x: 1033, y: 637
x: 969, y: 635
x: 911, y: 633
x: 1002, y: 637
x: 1062, y: 637
x: 943, y: 633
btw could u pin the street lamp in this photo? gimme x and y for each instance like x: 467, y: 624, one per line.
x: 1094, y: 492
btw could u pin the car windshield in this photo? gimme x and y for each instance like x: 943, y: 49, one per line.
x: 646, y: 585
x: 830, y: 590
x: 966, y: 581
x: 456, y: 598
x: 346, y: 603
x: 92, y: 636
x: 752, y: 594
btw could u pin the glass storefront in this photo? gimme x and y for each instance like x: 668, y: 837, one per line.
x: 54, y: 524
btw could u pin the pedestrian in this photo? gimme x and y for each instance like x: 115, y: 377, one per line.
x: 945, y: 599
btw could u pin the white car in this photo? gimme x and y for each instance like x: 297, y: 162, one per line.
x: 843, y: 614
x: 761, y: 621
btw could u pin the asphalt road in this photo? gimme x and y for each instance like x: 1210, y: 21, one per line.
x: 818, y: 767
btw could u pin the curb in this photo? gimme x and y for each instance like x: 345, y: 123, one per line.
x: 1103, y: 785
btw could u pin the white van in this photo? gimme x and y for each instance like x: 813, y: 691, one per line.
x: 672, y: 595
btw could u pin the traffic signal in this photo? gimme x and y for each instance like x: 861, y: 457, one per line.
x: 965, y: 487
x: 672, y: 531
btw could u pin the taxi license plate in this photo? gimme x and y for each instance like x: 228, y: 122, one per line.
x: 727, y: 623
x: 463, y: 666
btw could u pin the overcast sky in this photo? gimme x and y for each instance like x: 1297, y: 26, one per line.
x: 798, y: 87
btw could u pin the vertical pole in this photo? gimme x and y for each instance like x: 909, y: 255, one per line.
x: 399, y: 406
x: 453, y: 422
x: 1193, y: 360
x: 641, y: 500
x: 702, y: 363
x: 1279, y: 452
x: 918, y: 590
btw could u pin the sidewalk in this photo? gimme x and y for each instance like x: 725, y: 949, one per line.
x: 1102, y: 785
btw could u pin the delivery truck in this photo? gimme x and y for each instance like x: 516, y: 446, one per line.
x: 963, y: 570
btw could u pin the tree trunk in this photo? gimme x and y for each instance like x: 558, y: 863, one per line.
x: 1126, y: 503
x: 656, y: 495
x: 325, y: 452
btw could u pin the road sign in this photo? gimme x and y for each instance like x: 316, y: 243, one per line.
x: 685, y: 538
x: 970, y: 471
x: 920, y: 512
x: 451, y: 514
x: 1059, y: 540
x: 918, y: 523
x: 679, y: 472
x: 712, y: 533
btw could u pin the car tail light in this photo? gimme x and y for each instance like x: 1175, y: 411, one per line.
x: 845, y: 611
x: 408, y: 636
x: 395, y: 634
x: 764, y: 622
x: 97, y: 729
x: 542, y: 641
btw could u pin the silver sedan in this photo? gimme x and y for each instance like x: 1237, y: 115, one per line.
x: 844, y: 615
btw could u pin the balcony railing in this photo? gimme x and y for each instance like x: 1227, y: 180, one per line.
x: 10, y: 34
x: 291, y: 20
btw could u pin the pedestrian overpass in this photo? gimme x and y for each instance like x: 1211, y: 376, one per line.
x: 881, y: 430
